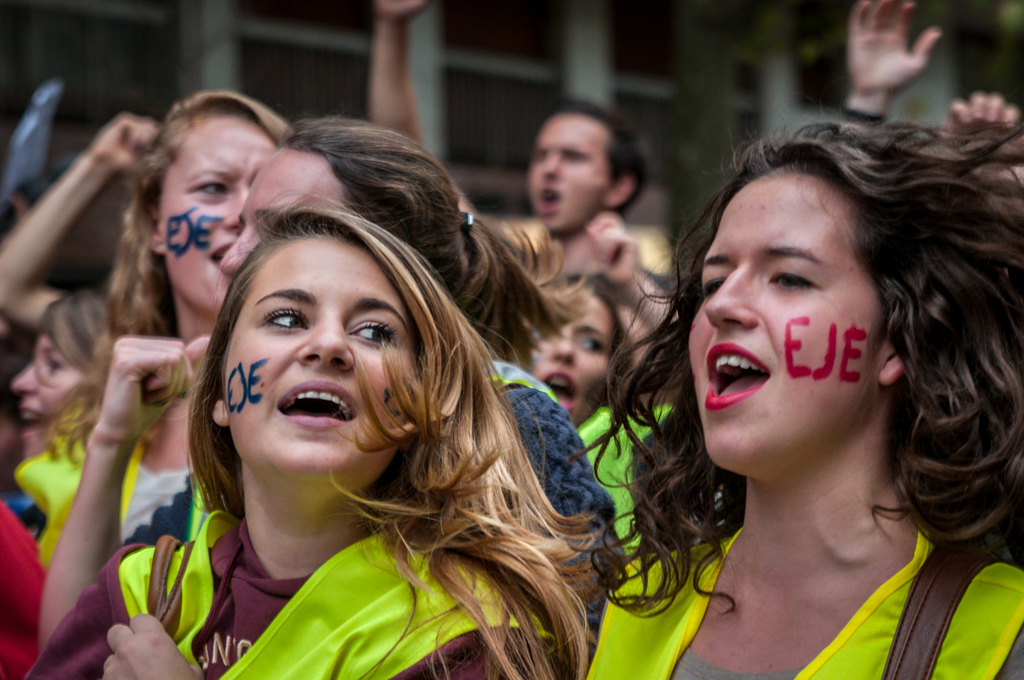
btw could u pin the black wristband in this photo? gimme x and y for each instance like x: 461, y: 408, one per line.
x: 861, y: 116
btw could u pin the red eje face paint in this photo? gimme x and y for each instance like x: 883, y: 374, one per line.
x: 830, y: 356
x: 793, y: 346
x: 851, y: 335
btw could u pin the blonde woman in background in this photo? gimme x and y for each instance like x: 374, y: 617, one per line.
x: 165, y: 291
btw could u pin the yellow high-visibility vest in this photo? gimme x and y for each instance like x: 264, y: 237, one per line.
x: 51, y: 481
x: 981, y: 633
x: 348, y: 620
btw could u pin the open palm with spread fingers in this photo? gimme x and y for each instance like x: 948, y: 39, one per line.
x: 878, y: 56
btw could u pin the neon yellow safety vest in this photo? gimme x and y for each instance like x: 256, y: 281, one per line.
x: 51, y: 481
x: 980, y: 636
x: 617, y: 462
x: 353, y: 618
x: 510, y: 374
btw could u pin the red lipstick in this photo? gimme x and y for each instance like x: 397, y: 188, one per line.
x: 714, y: 401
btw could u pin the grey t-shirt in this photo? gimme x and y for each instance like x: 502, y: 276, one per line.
x: 692, y: 667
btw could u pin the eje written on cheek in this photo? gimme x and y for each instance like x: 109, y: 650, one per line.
x: 850, y: 336
x: 249, y: 383
x: 184, y: 233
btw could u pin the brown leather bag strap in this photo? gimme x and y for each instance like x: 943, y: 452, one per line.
x: 934, y: 596
x: 164, y: 605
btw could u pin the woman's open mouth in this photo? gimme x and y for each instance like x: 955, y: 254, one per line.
x: 733, y: 375
x: 564, y: 388
x: 317, y: 404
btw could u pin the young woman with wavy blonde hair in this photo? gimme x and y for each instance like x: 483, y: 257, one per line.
x: 353, y: 426
x: 393, y: 182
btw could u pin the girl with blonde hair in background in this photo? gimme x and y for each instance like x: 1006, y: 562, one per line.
x: 165, y: 291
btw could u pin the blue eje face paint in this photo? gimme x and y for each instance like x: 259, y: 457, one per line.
x: 248, y: 383
x: 192, y: 234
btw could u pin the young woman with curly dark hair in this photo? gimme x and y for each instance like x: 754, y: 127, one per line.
x: 844, y: 356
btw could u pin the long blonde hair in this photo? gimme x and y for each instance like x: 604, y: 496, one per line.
x: 139, y: 301
x: 461, y: 492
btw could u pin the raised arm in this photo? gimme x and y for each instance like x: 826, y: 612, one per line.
x: 617, y: 257
x: 878, y: 59
x: 392, y: 99
x: 146, y: 375
x: 27, y: 254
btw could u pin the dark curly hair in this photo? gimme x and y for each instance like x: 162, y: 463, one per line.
x: 940, y: 231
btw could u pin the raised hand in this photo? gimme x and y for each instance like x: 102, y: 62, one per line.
x: 391, y: 99
x: 616, y: 249
x: 398, y: 10
x: 29, y: 250
x: 121, y: 142
x: 878, y: 58
x: 981, y: 111
x: 146, y: 373
x: 144, y: 651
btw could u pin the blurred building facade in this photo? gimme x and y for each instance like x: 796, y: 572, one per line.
x: 486, y: 74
